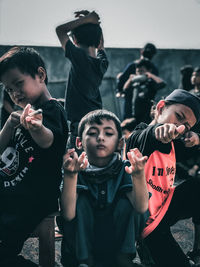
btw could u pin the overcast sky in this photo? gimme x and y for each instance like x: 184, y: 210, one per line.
x: 126, y: 23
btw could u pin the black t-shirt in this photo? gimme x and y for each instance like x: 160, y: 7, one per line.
x: 85, y: 77
x: 141, y: 100
x: 143, y: 137
x: 130, y: 69
x: 30, y: 176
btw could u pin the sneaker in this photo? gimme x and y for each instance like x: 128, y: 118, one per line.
x: 126, y: 260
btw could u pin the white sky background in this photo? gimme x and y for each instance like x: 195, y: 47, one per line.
x: 125, y: 23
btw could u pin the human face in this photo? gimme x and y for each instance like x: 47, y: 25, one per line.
x: 177, y: 114
x: 126, y: 133
x: 22, y: 88
x: 100, y: 141
x: 195, y: 79
x: 141, y: 70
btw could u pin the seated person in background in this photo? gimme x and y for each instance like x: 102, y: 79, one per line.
x: 128, y: 126
x: 140, y: 89
x: 104, y: 199
x: 32, y: 145
x: 148, y: 51
x: 186, y: 73
x: 195, y: 80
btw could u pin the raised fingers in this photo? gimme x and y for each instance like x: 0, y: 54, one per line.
x: 83, y: 161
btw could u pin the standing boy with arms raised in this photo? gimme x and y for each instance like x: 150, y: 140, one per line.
x: 31, y: 148
x: 102, y: 192
x: 88, y: 65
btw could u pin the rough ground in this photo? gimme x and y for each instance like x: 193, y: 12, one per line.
x: 183, y: 232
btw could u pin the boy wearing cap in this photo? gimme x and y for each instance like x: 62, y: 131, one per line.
x: 170, y: 130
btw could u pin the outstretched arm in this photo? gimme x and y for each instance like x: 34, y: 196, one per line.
x: 168, y: 131
x: 71, y: 165
x: 9, y: 127
x: 128, y: 82
x: 154, y: 77
x: 139, y: 195
x: 83, y: 17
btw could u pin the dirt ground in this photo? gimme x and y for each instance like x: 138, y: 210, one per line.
x: 182, y: 231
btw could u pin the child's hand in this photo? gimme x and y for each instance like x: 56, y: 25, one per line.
x: 192, y: 172
x: 81, y: 13
x: 14, y: 119
x: 101, y: 44
x: 29, y: 120
x: 148, y: 74
x: 72, y: 163
x: 168, y: 132
x: 137, y: 162
x: 191, y: 139
x: 93, y: 17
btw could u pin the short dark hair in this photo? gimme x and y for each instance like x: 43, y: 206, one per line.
x: 186, y: 70
x: 197, y: 69
x: 144, y: 62
x: 149, y: 50
x: 97, y: 116
x: 26, y: 59
x: 129, y: 124
x: 88, y: 34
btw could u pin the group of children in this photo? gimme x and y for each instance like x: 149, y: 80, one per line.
x: 107, y: 203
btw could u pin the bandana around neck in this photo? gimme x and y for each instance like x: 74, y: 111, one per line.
x: 99, y: 175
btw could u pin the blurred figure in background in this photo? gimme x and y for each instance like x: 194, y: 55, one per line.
x: 185, y: 79
x: 140, y: 89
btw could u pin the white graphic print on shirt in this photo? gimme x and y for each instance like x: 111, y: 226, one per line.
x: 16, y: 159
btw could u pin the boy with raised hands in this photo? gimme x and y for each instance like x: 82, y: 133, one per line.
x: 104, y: 199
x: 32, y: 144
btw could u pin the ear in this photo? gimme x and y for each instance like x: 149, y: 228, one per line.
x: 160, y: 106
x: 78, y: 143
x: 42, y: 74
x: 120, y: 144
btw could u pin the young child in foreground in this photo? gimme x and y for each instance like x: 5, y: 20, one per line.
x: 32, y: 145
x: 169, y: 131
x: 104, y: 199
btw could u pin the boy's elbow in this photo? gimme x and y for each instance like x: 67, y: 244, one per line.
x: 143, y: 209
x: 69, y: 216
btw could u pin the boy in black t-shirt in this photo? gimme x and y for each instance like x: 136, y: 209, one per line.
x: 168, y: 138
x: 32, y: 144
x: 88, y: 65
x: 140, y: 89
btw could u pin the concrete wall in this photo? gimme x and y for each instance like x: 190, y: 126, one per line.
x: 168, y: 61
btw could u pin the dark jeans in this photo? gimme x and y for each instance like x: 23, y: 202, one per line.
x: 100, y: 233
x: 164, y: 250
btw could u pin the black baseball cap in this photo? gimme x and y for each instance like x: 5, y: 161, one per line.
x: 186, y: 98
